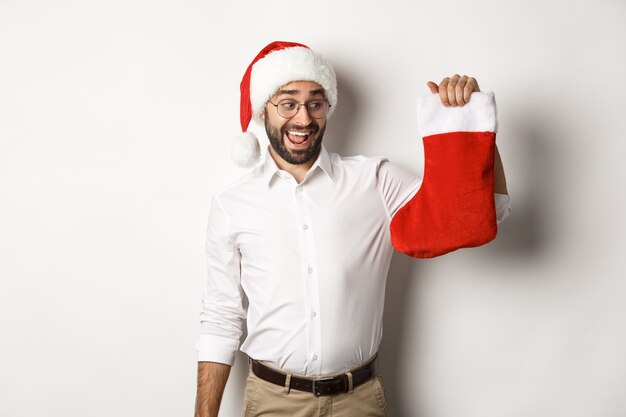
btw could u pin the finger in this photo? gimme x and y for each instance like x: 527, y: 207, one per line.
x: 467, y: 92
x: 451, y: 87
x: 475, y: 84
x: 434, y: 88
x: 470, y: 87
x: 443, y: 91
x: 458, y: 91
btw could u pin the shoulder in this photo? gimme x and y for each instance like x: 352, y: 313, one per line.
x: 239, y: 187
x: 356, y: 161
x: 380, y: 165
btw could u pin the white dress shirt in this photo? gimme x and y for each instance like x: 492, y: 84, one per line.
x: 312, y: 259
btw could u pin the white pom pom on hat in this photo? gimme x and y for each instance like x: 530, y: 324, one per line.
x: 246, y: 150
x: 277, y: 64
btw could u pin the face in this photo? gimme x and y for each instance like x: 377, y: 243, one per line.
x: 297, y: 140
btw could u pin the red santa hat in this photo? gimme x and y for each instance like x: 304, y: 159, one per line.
x: 277, y: 64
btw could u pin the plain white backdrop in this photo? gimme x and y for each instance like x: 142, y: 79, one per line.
x: 115, y: 125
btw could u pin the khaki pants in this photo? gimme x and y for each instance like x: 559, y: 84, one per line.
x: 269, y: 400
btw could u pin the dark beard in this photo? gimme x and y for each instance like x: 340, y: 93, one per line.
x: 297, y: 157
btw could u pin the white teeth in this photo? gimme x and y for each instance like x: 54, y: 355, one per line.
x: 298, y: 133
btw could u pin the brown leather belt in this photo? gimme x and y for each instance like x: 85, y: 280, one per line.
x: 319, y: 387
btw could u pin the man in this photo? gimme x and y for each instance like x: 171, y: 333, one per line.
x: 307, y: 237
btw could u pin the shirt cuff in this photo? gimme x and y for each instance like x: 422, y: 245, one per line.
x: 503, y: 206
x: 216, y: 349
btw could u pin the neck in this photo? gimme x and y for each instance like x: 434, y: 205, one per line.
x: 298, y: 171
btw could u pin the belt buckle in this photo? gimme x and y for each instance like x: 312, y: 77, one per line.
x: 315, y: 387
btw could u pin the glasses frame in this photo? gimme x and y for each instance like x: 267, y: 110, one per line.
x: 300, y: 105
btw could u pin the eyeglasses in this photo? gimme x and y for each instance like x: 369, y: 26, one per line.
x: 289, y: 108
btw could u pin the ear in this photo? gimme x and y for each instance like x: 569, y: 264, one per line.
x: 262, y: 115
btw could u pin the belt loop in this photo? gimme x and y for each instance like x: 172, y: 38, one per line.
x: 350, y: 384
x: 287, y: 384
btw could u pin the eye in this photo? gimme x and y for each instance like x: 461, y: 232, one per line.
x: 315, y: 105
x: 288, y: 104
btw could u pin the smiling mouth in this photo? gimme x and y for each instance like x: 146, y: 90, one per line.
x: 298, y: 137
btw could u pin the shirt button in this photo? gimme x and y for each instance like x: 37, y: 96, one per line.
x: 305, y: 227
x: 314, y: 357
x: 313, y: 314
x: 310, y: 270
x: 298, y: 190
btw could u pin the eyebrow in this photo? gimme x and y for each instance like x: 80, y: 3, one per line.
x: 295, y: 92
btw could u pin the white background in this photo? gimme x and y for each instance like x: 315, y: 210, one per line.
x: 115, y: 126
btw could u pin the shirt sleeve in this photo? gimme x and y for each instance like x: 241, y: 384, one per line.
x: 396, y: 185
x: 222, y: 314
x: 503, y: 206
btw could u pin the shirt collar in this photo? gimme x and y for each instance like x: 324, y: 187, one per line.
x: 323, y: 161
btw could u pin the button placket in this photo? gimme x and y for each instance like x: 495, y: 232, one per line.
x: 311, y: 280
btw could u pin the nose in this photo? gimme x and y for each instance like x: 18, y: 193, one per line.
x: 302, y: 117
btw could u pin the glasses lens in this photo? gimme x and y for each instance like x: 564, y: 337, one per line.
x: 317, y: 109
x: 289, y: 108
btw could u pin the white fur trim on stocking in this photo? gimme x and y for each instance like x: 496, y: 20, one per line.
x: 478, y: 115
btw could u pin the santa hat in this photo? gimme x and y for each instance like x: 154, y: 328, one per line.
x: 277, y: 64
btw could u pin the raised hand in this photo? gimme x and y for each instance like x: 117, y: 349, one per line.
x: 456, y: 90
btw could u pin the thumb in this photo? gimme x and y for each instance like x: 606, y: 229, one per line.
x: 434, y: 88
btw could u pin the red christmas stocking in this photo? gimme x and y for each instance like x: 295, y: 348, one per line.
x: 454, y: 207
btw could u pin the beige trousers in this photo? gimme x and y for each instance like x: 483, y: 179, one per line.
x: 264, y: 399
